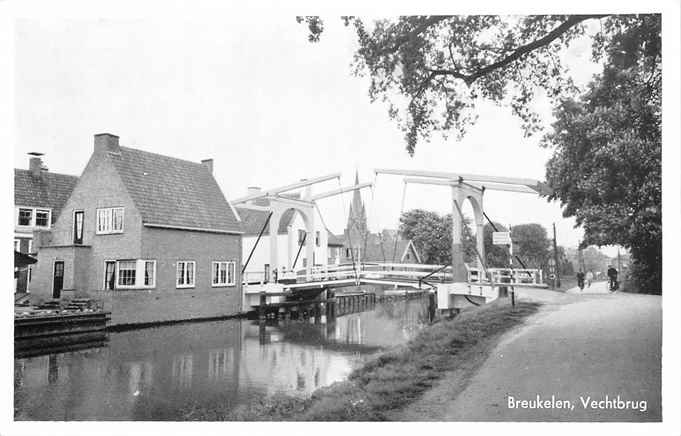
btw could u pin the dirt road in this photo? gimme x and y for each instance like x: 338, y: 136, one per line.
x: 581, y: 347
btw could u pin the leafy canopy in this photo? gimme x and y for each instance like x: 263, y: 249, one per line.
x: 432, y: 70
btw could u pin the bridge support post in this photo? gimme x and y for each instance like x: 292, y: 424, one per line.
x: 261, y: 306
x: 458, y: 268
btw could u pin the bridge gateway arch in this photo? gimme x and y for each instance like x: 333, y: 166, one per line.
x: 468, y: 187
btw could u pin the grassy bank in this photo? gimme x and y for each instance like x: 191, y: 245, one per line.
x: 390, y: 380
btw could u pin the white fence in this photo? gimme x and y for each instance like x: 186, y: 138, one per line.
x: 397, y: 272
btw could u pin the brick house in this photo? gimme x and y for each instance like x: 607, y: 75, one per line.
x: 39, y: 196
x: 151, y: 236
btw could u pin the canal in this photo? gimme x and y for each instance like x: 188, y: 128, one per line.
x: 160, y: 373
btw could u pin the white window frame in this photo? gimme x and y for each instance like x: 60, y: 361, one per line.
x: 32, y: 222
x: 49, y: 217
x: 107, y: 219
x: 141, y: 267
x: 185, y: 285
x: 104, y: 283
x: 228, y: 264
x: 118, y: 274
x: 139, y: 274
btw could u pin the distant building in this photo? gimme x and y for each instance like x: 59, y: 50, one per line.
x: 359, y: 244
x: 151, y: 236
x: 39, y: 196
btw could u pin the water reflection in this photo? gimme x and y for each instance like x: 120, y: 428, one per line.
x: 159, y: 373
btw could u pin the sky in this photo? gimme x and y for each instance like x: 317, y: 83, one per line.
x: 268, y: 106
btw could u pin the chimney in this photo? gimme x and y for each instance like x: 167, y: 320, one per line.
x: 208, y: 163
x: 35, y: 164
x: 107, y: 142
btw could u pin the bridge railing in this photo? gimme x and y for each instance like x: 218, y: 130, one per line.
x: 516, y: 275
x: 505, y: 275
x: 253, y: 278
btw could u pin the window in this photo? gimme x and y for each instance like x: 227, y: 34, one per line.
x: 109, y: 220
x: 25, y: 217
x: 149, y: 273
x: 130, y: 274
x: 78, y: 219
x: 42, y: 218
x: 301, y: 236
x: 185, y: 274
x: 30, y: 216
x: 223, y: 273
x: 127, y: 273
x: 17, y: 245
x: 316, y: 239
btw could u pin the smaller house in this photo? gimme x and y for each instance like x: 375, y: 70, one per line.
x: 335, y: 246
x: 39, y: 196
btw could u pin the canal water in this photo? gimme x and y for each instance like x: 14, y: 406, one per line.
x: 161, y: 373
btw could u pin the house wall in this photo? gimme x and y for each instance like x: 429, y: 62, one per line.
x: 166, y: 302
x: 77, y: 265
x: 99, y: 186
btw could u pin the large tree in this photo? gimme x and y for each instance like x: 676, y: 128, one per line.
x: 606, y: 166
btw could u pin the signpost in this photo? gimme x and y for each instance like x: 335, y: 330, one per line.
x: 552, y: 272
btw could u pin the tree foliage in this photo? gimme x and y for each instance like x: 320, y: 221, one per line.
x: 432, y: 236
x: 531, y: 244
x: 606, y: 166
x: 495, y: 255
x: 432, y: 70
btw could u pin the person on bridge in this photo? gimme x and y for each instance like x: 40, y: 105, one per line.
x: 580, y: 279
x: 589, y: 278
x: 612, y: 276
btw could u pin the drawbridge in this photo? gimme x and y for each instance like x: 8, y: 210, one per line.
x: 456, y: 285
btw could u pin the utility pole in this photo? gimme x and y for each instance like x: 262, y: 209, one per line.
x: 619, y: 261
x: 555, y: 256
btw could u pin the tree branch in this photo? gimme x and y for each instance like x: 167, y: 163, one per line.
x: 430, y: 21
x: 518, y: 52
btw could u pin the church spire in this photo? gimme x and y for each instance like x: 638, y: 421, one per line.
x: 357, y: 218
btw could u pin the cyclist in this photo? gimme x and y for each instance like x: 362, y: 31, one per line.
x: 612, y: 276
x: 589, y: 278
x: 580, y: 279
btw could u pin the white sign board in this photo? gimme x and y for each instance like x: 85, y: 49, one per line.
x: 501, y: 238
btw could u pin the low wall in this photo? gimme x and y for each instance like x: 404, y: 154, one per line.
x: 151, y: 306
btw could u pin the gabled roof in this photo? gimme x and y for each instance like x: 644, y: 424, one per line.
x: 172, y: 192
x: 253, y: 220
x: 51, y: 190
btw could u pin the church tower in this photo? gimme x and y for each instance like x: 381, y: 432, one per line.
x: 356, y: 227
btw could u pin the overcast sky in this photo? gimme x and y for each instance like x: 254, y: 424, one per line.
x: 268, y: 106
